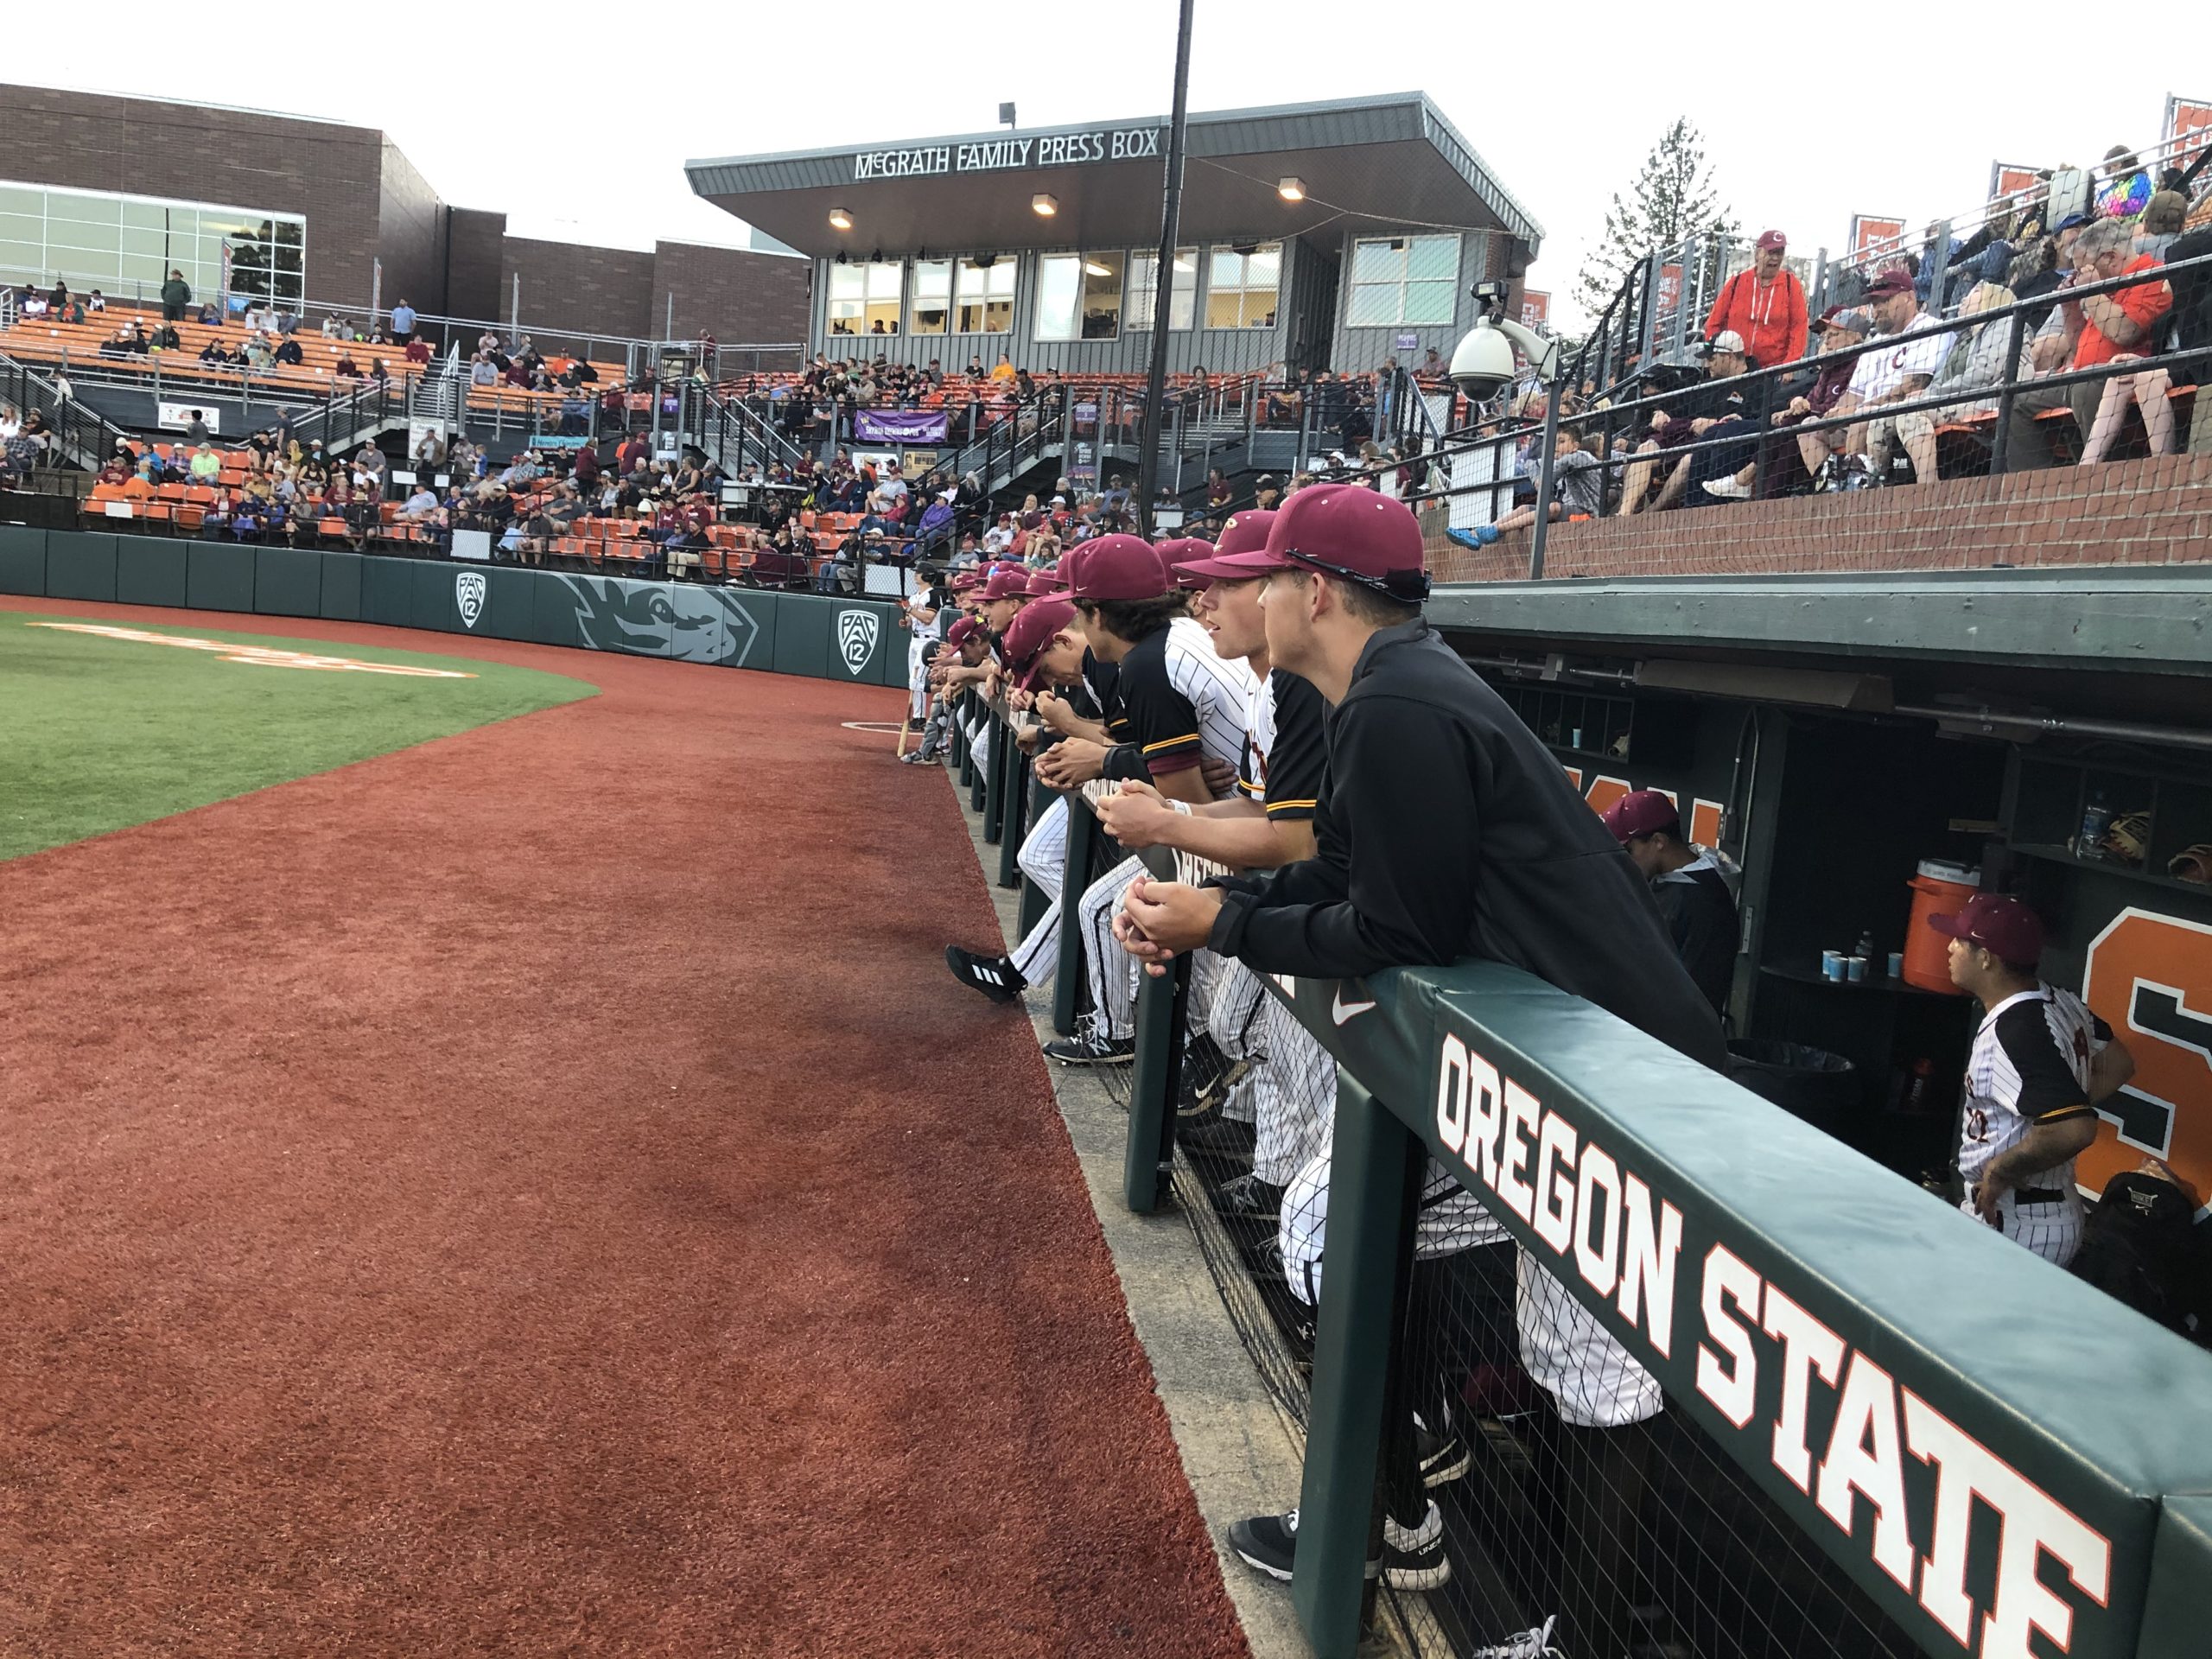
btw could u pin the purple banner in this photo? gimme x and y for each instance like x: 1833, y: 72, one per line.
x: 899, y: 426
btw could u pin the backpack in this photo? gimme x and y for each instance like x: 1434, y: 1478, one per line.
x: 2139, y: 1247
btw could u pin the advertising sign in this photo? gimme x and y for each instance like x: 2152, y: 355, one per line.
x: 174, y: 417
x: 900, y: 425
x: 1874, y: 229
x: 1535, y: 309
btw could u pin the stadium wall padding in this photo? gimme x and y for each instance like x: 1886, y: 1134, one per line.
x: 1698, y: 1224
x: 856, y: 640
x: 79, y: 564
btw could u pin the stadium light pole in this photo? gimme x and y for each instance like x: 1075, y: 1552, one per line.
x: 1163, y: 279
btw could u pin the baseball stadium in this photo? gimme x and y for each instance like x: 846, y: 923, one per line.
x: 692, y: 934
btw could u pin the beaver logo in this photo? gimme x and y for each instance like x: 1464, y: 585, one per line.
x: 468, y: 593
x: 856, y: 636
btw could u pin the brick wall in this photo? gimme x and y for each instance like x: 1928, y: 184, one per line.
x: 411, y: 235
x: 329, y: 173
x: 565, y: 287
x: 2156, y: 511
x: 735, y: 295
x: 475, y: 256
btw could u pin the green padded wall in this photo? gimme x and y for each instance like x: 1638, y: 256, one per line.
x: 341, y: 585
x: 79, y: 564
x: 219, y: 577
x: 287, y: 581
x: 149, y: 571
x: 22, y: 560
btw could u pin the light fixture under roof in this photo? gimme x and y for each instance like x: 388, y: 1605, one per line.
x: 1044, y: 205
x: 1092, y: 268
x: 840, y: 219
x: 1291, y: 190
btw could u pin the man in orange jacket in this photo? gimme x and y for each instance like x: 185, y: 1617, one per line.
x: 1765, y: 304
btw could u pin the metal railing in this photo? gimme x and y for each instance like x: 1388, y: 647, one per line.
x: 1485, y: 476
x: 1782, y: 1404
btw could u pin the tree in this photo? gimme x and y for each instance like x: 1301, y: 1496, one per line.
x: 1673, y: 196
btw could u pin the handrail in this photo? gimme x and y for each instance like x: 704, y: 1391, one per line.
x: 1776, y: 1285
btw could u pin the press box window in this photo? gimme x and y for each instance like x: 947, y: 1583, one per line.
x: 1079, y: 297
x: 1181, y: 295
x: 1242, y: 285
x: 864, y: 299
x: 930, y: 310
x: 1411, y: 280
x: 983, y: 296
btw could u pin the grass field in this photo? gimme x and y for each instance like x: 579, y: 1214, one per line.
x: 99, y: 732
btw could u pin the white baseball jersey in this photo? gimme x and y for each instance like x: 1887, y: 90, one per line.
x: 2030, y: 1066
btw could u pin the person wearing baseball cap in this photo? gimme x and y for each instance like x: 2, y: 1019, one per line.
x: 1281, y: 1122
x: 1445, y: 829
x: 1895, y: 369
x: 1716, y: 407
x: 1003, y: 597
x: 1174, y: 707
x: 2040, y: 1063
x: 1763, y: 305
x: 1695, y: 887
x: 1178, y: 552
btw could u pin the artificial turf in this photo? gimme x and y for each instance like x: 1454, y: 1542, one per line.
x: 98, y: 734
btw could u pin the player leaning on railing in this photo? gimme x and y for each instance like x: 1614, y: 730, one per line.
x: 1444, y: 829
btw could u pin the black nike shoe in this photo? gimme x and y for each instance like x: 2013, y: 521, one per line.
x: 993, y: 975
x: 1250, y: 1198
x: 1444, y: 1457
x: 1092, y: 1045
x: 1412, y: 1557
x: 1218, y: 1137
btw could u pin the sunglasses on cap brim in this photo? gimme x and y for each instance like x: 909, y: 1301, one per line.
x: 1407, y: 587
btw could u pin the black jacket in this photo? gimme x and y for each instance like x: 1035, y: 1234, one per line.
x: 1445, y: 829
x: 1700, y: 912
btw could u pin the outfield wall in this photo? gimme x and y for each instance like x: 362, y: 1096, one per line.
x: 859, y: 641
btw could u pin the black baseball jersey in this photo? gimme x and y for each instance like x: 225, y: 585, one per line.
x: 1176, y: 701
x: 1286, y: 747
x: 1700, y: 916
x: 1446, y: 830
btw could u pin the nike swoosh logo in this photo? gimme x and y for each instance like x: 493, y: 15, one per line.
x: 1341, y: 1010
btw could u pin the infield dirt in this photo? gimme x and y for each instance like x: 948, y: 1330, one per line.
x: 533, y: 1193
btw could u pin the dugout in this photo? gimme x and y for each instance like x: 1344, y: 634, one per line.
x: 1831, y: 763
x: 1313, y: 235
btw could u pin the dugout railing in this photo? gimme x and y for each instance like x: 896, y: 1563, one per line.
x: 1881, y: 1428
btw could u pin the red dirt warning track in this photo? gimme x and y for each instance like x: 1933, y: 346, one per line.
x: 537, y: 1193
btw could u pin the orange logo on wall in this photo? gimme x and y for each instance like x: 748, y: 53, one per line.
x: 1705, y: 815
x: 2150, y: 977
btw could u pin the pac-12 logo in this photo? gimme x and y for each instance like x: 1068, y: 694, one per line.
x: 857, y: 631
x: 468, y: 593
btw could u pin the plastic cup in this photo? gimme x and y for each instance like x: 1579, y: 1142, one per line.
x: 1855, y: 970
x: 1831, y: 965
x: 1897, y: 964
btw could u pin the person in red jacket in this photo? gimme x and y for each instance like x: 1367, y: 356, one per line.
x: 1765, y: 304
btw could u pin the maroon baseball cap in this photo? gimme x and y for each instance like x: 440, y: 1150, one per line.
x: 1244, y: 541
x: 1640, y: 812
x: 963, y: 630
x: 1006, y: 582
x: 964, y: 582
x: 1029, y: 634
x: 1117, y: 567
x: 1896, y: 280
x: 2001, y: 925
x: 1351, y: 532
x: 1179, y: 553
x: 1773, y: 239
x: 1044, y: 583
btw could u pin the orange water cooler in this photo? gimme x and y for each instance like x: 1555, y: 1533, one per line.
x: 1940, y: 889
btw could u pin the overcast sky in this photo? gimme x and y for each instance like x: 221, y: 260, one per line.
x: 1809, y: 113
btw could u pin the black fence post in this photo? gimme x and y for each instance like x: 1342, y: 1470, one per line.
x: 996, y: 734
x: 1370, y: 1227
x: 1067, y: 977
x: 1156, y: 1079
x: 1015, y: 823
x: 1999, y: 440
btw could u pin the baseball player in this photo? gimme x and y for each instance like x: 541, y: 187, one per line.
x: 1175, y: 704
x: 2040, y: 1063
x: 1268, y: 822
x: 1695, y: 887
x: 1444, y: 829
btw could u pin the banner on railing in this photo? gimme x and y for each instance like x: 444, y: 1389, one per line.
x: 1874, y: 229
x: 176, y: 417
x: 2011, y: 178
x: 901, y: 426
x: 1535, y: 309
x: 2189, y: 119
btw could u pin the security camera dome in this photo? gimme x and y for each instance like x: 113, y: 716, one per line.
x: 1483, y: 362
